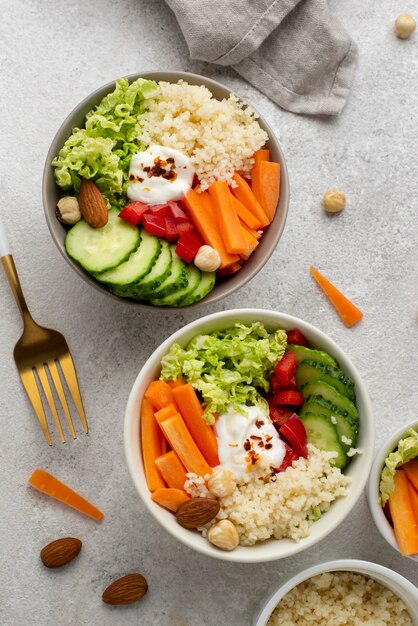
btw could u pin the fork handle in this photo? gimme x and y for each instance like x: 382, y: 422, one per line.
x: 12, y: 275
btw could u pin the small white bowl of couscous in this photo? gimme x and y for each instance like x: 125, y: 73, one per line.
x: 340, y: 592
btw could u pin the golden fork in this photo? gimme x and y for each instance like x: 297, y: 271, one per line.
x: 39, y: 351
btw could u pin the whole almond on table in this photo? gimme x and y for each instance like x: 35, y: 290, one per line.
x: 92, y: 205
x: 60, y: 552
x: 126, y: 590
x: 197, y: 512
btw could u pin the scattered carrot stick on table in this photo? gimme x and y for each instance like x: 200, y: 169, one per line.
x: 151, y: 445
x: 159, y: 394
x: 269, y: 176
x: 404, y: 522
x: 51, y: 486
x: 169, y: 498
x: 349, y: 313
x: 172, y: 469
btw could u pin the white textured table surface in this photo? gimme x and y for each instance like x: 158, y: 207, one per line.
x: 52, y: 55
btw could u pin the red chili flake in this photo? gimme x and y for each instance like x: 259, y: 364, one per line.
x: 252, y: 457
x: 247, y: 445
x: 254, y: 437
x: 261, y: 444
x: 268, y: 446
x: 170, y: 160
x: 259, y: 423
x: 131, y: 177
x: 269, y: 437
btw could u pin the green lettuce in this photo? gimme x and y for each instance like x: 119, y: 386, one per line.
x: 102, y: 151
x: 228, y: 367
x: 407, y: 449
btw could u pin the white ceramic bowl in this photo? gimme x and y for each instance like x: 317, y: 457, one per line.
x: 378, y: 515
x: 387, y: 577
x: 358, y: 469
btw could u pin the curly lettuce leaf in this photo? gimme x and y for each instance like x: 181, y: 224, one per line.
x: 102, y: 151
x: 406, y: 451
x: 228, y: 367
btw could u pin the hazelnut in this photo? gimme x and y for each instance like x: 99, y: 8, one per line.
x: 207, y: 259
x: 222, y: 483
x: 404, y: 25
x: 68, y: 211
x: 224, y: 535
x: 333, y: 201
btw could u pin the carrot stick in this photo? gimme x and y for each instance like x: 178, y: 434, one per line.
x: 244, y: 214
x: 251, y: 242
x: 164, y: 445
x: 182, y: 443
x: 192, y: 413
x: 404, y: 522
x: 413, y: 494
x: 227, y: 217
x: 159, y: 394
x: 165, y: 413
x: 255, y: 233
x: 51, y: 486
x: 245, y: 195
x: 175, y: 383
x: 349, y: 313
x: 269, y: 181
x: 172, y: 469
x: 169, y: 498
x: 259, y: 156
x: 411, y: 470
x: 150, y: 445
x: 200, y: 209
x: 231, y: 269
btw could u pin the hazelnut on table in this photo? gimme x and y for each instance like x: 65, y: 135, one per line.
x: 404, y: 26
x: 333, y: 201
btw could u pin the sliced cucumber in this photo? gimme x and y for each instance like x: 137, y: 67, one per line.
x: 177, y: 297
x: 320, y: 389
x: 205, y: 286
x: 321, y: 433
x: 310, y: 371
x: 176, y: 280
x: 138, y: 265
x: 344, y: 424
x: 100, y: 249
x: 157, y: 275
x: 303, y: 353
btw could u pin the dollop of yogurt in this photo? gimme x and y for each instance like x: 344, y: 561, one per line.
x: 159, y: 174
x: 247, y: 439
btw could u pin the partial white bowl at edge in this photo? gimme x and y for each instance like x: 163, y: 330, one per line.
x: 376, y: 510
x: 358, y: 469
x: 387, y: 577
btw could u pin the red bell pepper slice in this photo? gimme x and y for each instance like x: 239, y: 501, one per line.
x: 188, y: 246
x: 159, y: 209
x: 171, y: 232
x: 294, y: 432
x: 296, y: 338
x: 177, y: 212
x: 289, y: 457
x: 185, y: 227
x: 133, y: 212
x: 154, y: 224
x: 285, y: 370
x: 289, y: 397
x: 279, y: 414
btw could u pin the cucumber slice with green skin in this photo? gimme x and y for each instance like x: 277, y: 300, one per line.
x: 100, y: 249
x: 176, y: 280
x: 205, y: 286
x: 301, y: 353
x: 321, y: 433
x: 344, y: 424
x: 138, y: 265
x: 159, y: 272
x: 328, y: 393
x: 310, y: 371
x: 177, y: 297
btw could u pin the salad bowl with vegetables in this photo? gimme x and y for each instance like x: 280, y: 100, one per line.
x: 255, y: 435
x: 165, y: 190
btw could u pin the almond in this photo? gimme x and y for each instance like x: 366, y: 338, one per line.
x: 60, y: 552
x: 92, y: 205
x: 126, y: 590
x: 197, y: 512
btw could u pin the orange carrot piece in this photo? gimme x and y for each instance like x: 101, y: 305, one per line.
x: 200, y: 210
x: 269, y: 187
x: 172, y: 470
x: 404, y: 522
x: 169, y: 498
x: 259, y: 156
x: 255, y: 233
x: 165, y: 446
x: 245, y: 215
x: 192, y: 412
x: 245, y: 195
x: 251, y: 242
x: 349, y: 313
x: 47, y: 483
x: 165, y: 413
x: 182, y: 443
x: 413, y: 494
x: 411, y: 470
x: 175, y: 383
x: 159, y: 394
x: 226, y: 217
x: 150, y: 445
x: 231, y: 269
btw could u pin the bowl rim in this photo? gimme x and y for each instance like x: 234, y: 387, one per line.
x: 175, y: 76
x: 373, y: 482
x: 245, y: 554
x: 367, y: 568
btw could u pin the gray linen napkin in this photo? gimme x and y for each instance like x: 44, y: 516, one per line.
x: 294, y: 51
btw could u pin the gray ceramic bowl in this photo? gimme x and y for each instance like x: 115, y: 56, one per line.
x: 224, y: 287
